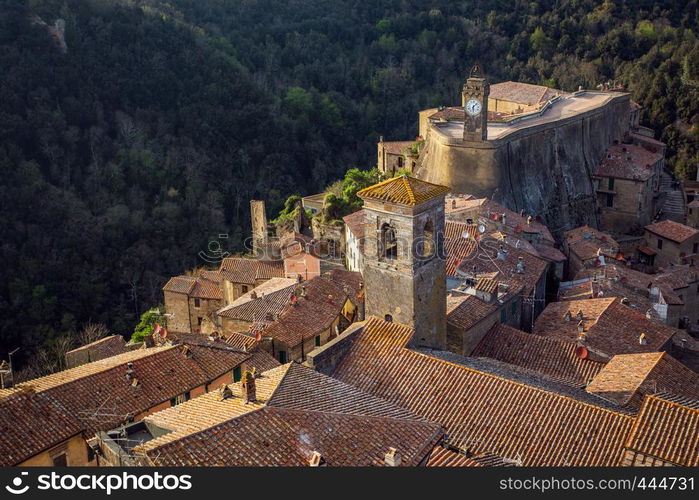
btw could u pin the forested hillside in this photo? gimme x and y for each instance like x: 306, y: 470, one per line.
x: 130, y: 141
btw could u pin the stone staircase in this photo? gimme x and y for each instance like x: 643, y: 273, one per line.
x: 672, y: 202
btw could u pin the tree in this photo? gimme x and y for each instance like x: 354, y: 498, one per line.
x: 146, y: 326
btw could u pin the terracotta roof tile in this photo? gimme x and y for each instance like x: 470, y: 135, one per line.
x: 628, y: 377
x: 658, y: 417
x: 180, y: 284
x: 397, y: 147
x: 249, y: 271
x: 100, y: 395
x: 466, y: 310
x: 403, y: 190
x: 442, y: 457
x: 522, y: 93
x: 356, y: 222
x: 626, y: 161
x: 610, y: 327
x: 31, y: 423
x: 271, y: 299
x: 549, y: 357
x: 672, y: 230
x: 481, y: 412
x: 586, y: 241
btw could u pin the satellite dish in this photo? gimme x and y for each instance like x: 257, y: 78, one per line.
x: 481, y: 228
x: 581, y: 352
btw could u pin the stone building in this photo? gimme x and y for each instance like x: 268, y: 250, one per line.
x: 396, y: 156
x: 191, y: 302
x: 627, y: 181
x: 537, y: 159
x: 354, y: 240
x: 240, y: 275
x: 404, y: 267
x: 669, y: 243
x: 586, y: 247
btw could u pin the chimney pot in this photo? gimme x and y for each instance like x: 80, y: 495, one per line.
x: 581, y: 327
x: 393, y: 458
x: 316, y: 460
x: 247, y: 385
x: 642, y: 339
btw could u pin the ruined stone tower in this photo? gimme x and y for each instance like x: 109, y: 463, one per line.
x: 404, y: 271
x: 474, y: 99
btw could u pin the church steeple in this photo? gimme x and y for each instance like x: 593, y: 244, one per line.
x: 474, y: 99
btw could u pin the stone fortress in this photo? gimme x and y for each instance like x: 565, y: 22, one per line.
x: 525, y: 146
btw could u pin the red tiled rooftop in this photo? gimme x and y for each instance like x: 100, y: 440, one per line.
x: 249, y: 271
x: 672, y: 230
x: 626, y: 161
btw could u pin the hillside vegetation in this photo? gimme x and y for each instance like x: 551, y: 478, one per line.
x: 125, y: 151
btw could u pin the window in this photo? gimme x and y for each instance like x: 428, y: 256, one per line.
x: 513, y: 308
x: 282, y: 357
x: 245, y: 289
x: 695, y: 248
x: 90, y: 453
x: 503, y: 315
x: 427, y: 240
x: 389, y: 245
x: 180, y: 398
x: 611, y: 183
x: 660, y: 243
x: 197, y: 303
x: 199, y: 321
x: 60, y: 460
x: 400, y: 162
x: 236, y: 374
x: 610, y: 200
x: 317, y: 340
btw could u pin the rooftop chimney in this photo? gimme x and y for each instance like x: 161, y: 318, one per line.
x: 580, y: 315
x: 581, y: 331
x: 642, y: 339
x: 520, y: 265
x: 529, y: 220
x: 393, y: 458
x: 649, y: 314
x: 247, y: 386
x: 502, y: 253
x: 568, y: 316
x: 253, y: 294
x: 224, y: 392
x: 316, y: 460
x: 129, y: 370
x: 453, y: 203
x: 303, y: 290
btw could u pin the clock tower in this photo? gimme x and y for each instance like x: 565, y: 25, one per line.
x: 474, y: 98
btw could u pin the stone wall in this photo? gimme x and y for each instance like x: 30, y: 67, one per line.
x: 324, y: 359
x: 544, y: 169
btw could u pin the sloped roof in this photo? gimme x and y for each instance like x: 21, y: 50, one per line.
x: 522, y: 93
x: 466, y: 310
x: 272, y: 297
x: 672, y: 230
x: 628, y: 377
x: 610, y: 327
x: 658, y: 415
x: 443, y: 457
x: 248, y: 271
x: 180, y: 284
x: 551, y: 357
x: 482, y: 412
x: 101, y: 397
x: 31, y: 423
x: 356, y: 222
x: 403, y: 190
x: 205, y: 286
x: 626, y: 161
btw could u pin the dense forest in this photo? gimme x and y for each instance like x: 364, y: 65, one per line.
x: 133, y: 132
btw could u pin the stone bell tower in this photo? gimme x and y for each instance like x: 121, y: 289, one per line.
x: 474, y: 98
x: 404, y: 261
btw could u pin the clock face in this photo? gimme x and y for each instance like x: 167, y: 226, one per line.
x: 473, y: 107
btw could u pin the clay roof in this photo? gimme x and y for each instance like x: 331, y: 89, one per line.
x: 672, y: 230
x: 658, y: 415
x: 482, y: 412
x: 312, y: 314
x: 610, y: 327
x: 351, y: 282
x: 522, y: 93
x: 448, y: 113
x: 274, y: 436
x: 693, y: 204
x: 403, y: 190
x: 551, y: 357
x: 248, y: 271
x: 486, y: 285
x: 628, y: 377
x: 626, y: 161
x: 465, y: 311
x: 272, y: 297
x: 356, y: 222
x: 586, y: 242
x: 397, y: 147
x: 31, y: 423
x: 317, y: 409
x: 180, y: 284
x: 100, y: 395
x: 443, y: 457
x: 550, y: 253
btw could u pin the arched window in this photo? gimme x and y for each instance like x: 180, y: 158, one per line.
x: 389, y: 245
x: 428, y: 244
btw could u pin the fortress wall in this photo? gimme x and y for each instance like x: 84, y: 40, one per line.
x: 545, y: 169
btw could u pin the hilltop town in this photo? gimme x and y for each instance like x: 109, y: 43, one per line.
x: 519, y: 289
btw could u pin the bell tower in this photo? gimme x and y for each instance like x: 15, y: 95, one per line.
x: 404, y: 261
x: 474, y: 98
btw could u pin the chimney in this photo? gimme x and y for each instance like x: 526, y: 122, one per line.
x: 129, y: 370
x: 186, y: 351
x: 529, y: 220
x: 392, y: 458
x: 503, y: 218
x: 253, y: 295
x: 453, y: 203
x: 649, y: 314
x: 380, y: 138
x: 568, y: 316
x: 581, y: 332
x: 303, y: 290
x: 316, y: 460
x: 247, y: 386
x: 520, y: 265
x: 580, y: 314
x: 224, y: 392
x: 502, y: 253
x: 642, y: 339
x: 581, y: 327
